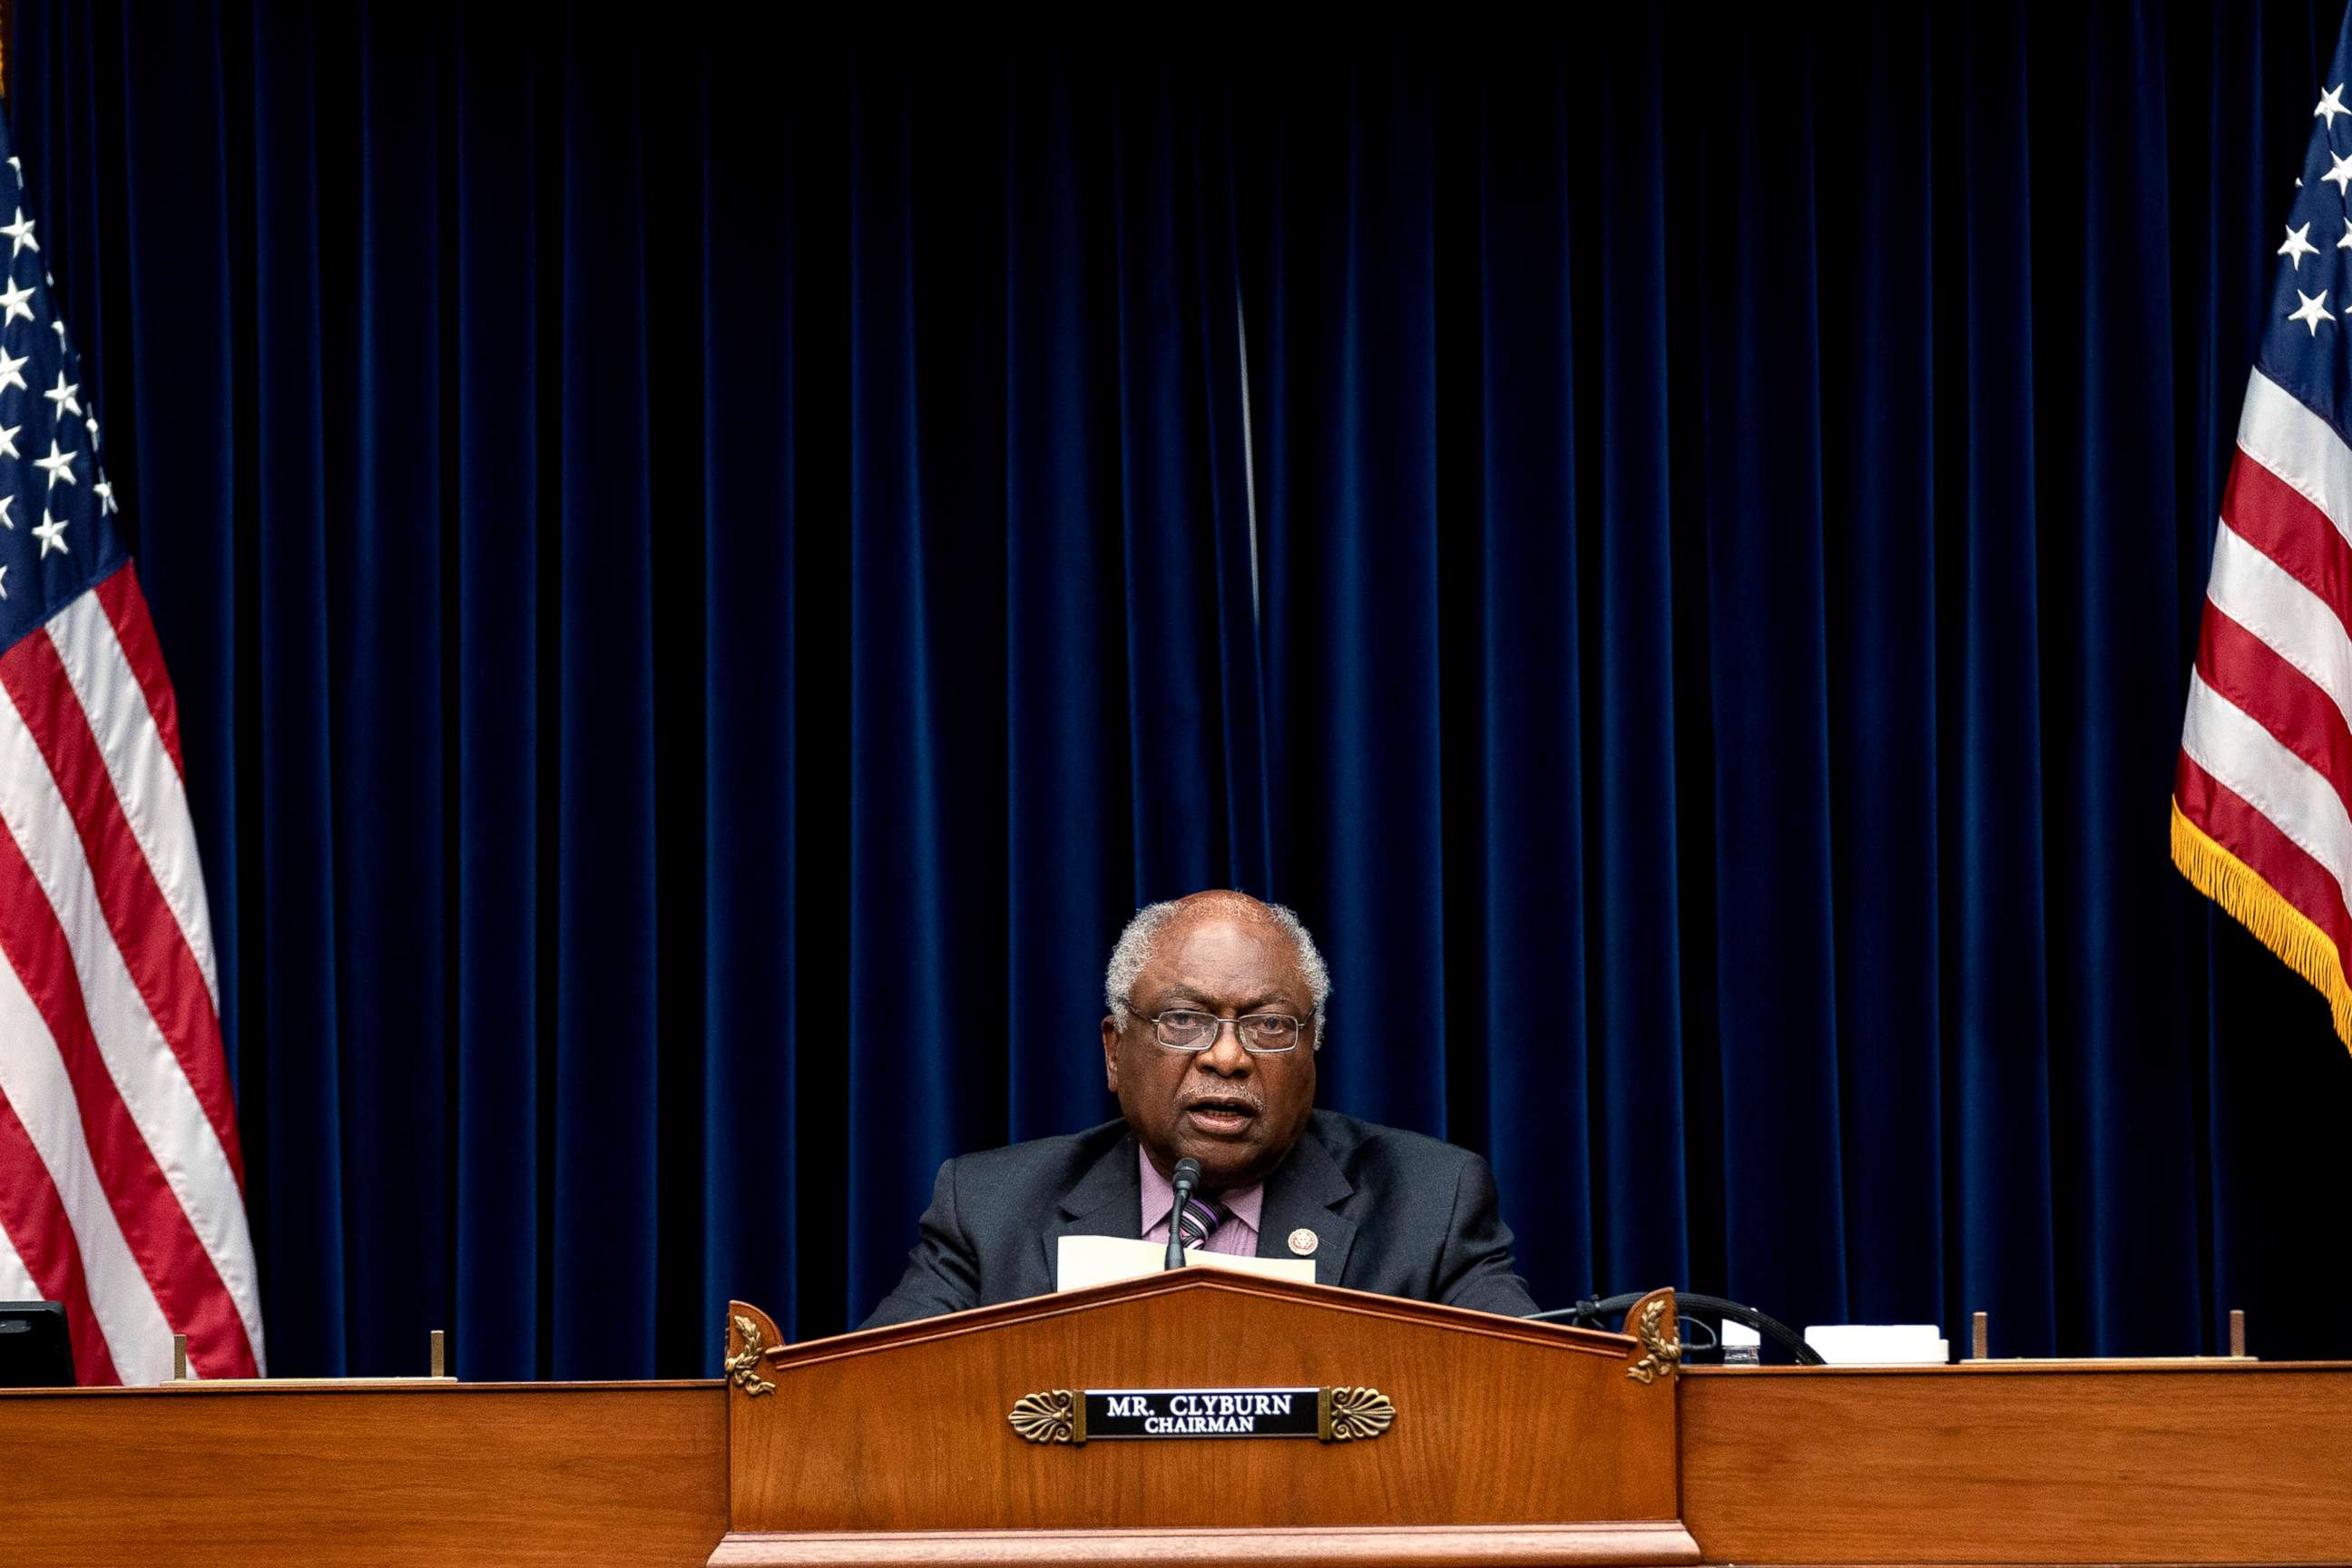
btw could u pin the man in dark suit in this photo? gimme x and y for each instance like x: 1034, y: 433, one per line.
x: 1217, y: 1007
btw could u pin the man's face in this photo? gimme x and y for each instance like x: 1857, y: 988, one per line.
x: 1237, y: 1114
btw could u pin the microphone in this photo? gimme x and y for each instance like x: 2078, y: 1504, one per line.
x: 1185, y: 1177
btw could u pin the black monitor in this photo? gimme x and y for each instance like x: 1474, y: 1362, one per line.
x: 35, y: 1350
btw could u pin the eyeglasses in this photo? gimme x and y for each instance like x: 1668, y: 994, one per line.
x: 1261, y: 1034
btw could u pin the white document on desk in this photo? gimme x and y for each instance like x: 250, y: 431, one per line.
x: 1083, y: 1260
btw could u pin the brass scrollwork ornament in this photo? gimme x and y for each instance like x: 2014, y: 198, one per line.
x: 1360, y: 1413
x: 1659, y: 1353
x: 1048, y: 1418
x: 743, y: 1366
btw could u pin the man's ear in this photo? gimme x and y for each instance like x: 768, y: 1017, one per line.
x: 1110, y: 1052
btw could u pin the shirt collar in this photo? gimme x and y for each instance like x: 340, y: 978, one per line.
x: 1243, y: 1204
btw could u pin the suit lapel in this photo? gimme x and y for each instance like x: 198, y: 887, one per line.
x: 1108, y: 1200
x: 1302, y: 1196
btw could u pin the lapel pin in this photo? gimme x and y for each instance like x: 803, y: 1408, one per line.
x: 1302, y: 1242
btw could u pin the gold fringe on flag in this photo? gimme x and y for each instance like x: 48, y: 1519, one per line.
x: 2256, y: 905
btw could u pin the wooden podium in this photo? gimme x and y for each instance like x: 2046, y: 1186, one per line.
x: 1424, y: 1435
x: 1508, y: 1442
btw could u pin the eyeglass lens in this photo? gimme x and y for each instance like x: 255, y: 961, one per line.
x: 1258, y: 1031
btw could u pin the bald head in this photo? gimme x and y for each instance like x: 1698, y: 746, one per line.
x: 1155, y: 923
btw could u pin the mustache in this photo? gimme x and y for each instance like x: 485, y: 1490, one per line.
x: 1228, y: 1097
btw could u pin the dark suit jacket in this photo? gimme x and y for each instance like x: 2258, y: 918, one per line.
x: 1392, y: 1212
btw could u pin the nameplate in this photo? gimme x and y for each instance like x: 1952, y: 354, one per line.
x: 1077, y: 1416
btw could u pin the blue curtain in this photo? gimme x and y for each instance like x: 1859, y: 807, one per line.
x: 707, y: 576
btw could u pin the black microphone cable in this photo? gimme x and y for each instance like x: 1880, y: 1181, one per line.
x: 1591, y: 1314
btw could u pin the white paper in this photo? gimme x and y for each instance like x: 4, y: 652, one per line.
x: 1083, y: 1260
x: 1879, y: 1344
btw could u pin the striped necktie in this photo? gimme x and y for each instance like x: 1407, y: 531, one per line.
x: 1198, y: 1221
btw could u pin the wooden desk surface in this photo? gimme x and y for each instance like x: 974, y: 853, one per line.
x: 1992, y: 1463
x: 1988, y: 1462
x: 435, y: 1473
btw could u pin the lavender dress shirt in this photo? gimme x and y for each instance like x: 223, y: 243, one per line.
x: 1236, y: 1236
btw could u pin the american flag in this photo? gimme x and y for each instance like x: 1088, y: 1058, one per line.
x: 121, y: 1184
x: 2262, y: 808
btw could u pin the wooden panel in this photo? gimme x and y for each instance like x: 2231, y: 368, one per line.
x: 1620, y: 1545
x: 579, y: 1473
x: 2215, y: 1462
x: 1498, y: 1421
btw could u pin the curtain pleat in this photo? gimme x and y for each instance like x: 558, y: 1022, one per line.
x: 491, y: 708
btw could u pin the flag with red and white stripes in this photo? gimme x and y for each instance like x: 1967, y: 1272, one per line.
x: 121, y: 1184
x: 2262, y: 810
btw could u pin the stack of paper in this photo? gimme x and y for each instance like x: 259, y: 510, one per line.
x: 1083, y: 1260
x: 1879, y: 1344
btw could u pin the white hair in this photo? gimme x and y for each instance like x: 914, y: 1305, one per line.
x: 1133, y: 951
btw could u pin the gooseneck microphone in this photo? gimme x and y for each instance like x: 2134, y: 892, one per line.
x: 1186, y: 1176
